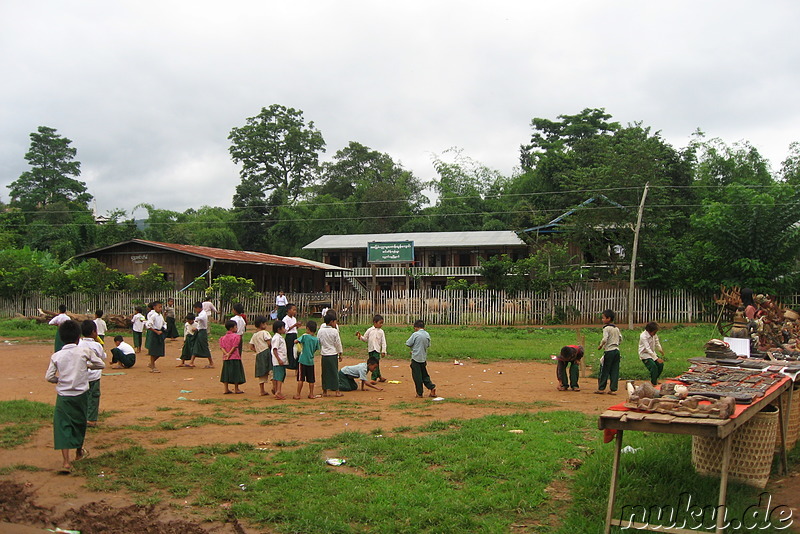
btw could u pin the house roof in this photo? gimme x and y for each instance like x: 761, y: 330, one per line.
x: 555, y: 225
x: 420, y: 239
x: 227, y: 256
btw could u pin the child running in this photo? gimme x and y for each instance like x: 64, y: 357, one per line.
x: 279, y: 360
x: 609, y: 368
x: 350, y: 373
x: 375, y: 338
x: 201, y: 348
x: 232, y: 368
x: 648, y: 346
x: 69, y: 371
x: 89, y: 340
x: 123, y: 356
x: 419, y: 342
x: 570, y: 356
x: 57, y: 321
x: 102, y: 327
x: 137, y: 322
x: 189, y: 334
x: 305, y: 363
x: 260, y: 344
x: 330, y: 348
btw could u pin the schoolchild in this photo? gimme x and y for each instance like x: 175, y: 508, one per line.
x: 169, y: 317
x: 102, y: 327
x: 291, y: 322
x: 189, y: 334
x: 137, y: 322
x: 69, y: 371
x: 330, y: 348
x: 360, y: 371
x: 568, y: 367
x: 89, y: 340
x: 241, y: 323
x: 57, y: 321
x: 649, y: 345
x: 305, y: 362
x: 260, y: 344
x: 232, y: 368
x: 279, y: 360
x: 123, y: 356
x: 419, y: 342
x: 375, y: 338
x: 609, y: 367
x: 201, y: 348
x: 155, y: 328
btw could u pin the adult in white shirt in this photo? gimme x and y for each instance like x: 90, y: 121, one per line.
x: 280, y: 305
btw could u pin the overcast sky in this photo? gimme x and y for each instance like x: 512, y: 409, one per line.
x: 148, y: 91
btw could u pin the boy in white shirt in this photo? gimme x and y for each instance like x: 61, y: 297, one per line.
x: 89, y: 339
x: 69, y: 370
x: 101, y: 326
x: 241, y: 323
x: 123, y: 356
x: 330, y: 349
x: 648, y: 346
x: 137, y: 327
x: 375, y: 338
x: 279, y: 360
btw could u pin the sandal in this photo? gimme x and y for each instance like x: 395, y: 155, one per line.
x: 562, y: 388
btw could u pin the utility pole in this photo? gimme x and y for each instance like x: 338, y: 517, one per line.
x: 633, y: 256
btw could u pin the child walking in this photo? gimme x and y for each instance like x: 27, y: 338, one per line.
x: 90, y: 341
x: 609, y: 366
x: 232, y: 368
x: 569, y: 357
x: 648, y: 346
x: 57, y: 321
x: 279, y: 360
x: 260, y: 344
x: 305, y: 363
x: 330, y: 348
x: 419, y: 342
x: 201, y: 348
x: 189, y: 334
x: 375, y: 338
x: 137, y: 327
x: 69, y: 371
x: 123, y: 356
x: 102, y: 327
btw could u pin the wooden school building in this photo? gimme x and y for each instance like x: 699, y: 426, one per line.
x: 183, y: 263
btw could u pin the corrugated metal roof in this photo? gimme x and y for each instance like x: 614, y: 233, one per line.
x: 231, y: 256
x: 421, y: 239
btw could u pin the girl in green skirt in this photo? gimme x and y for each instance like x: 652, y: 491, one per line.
x: 232, y: 368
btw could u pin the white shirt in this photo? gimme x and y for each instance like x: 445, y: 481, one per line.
x: 59, y: 319
x: 125, y: 348
x: 291, y: 324
x: 69, y: 369
x: 241, y: 325
x: 612, y: 337
x: 97, y: 348
x: 155, y: 320
x: 375, y: 339
x: 138, y: 322
x: 201, y: 320
x: 329, y: 341
x: 279, y: 345
x: 208, y: 306
x: 648, y: 345
x: 281, y: 300
x: 101, y: 326
x: 189, y: 329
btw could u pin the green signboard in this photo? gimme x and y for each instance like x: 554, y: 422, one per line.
x: 390, y: 252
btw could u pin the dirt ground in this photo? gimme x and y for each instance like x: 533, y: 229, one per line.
x: 139, y: 398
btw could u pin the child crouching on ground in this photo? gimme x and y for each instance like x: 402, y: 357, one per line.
x: 123, y: 356
x: 350, y: 373
x: 570, y: 356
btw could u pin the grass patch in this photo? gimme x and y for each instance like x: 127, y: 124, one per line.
x: 26, y: 328
x: 7, y: 470
x: 489, y: 403
x: 20, y: 420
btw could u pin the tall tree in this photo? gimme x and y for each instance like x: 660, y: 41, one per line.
x: 53, y: 173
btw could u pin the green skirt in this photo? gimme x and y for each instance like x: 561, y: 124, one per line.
x: 127, y: 360
x: 201, y: 349
x: 188, y: 347
x: 156, y: 346
x: 263, y: 363
x: 148, y: 338
x: 69, y: 421
x: 347, y: 383
x: 172, y: 329
x: 58, y: 343
x: 330, y: 372
x: 232, y: 372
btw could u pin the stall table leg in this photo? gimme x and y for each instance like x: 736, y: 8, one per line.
x: 612, y: 492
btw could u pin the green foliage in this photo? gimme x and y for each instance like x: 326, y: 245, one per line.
x: 93, y: 277
x: 461, y: 284
x: 152, y: 280
x: 24, y: 270
x: 231, y: 289
x: 548, y: 268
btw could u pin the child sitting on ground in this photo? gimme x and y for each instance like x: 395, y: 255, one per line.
x: 350, y: 373
x: 305, y: 362
x: 570, y: 356
x: 123, y: 356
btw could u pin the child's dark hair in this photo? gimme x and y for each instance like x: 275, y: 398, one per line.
x: 376, y: 318
x: 230, y: 323
x: 419, y: 323
x: 98, y: 313
x: 260, y: 320
x: 238, y: 308
x: 290, y: 306
x: 311, y: 326
x: 651, y: 327
x: 277, y: 325
x: 155, y: 303
x: 137, y: 309
x: 372, y: 360
x: 119, y: 339
x: 190, y: 317
x: 70, y: 331
x: 330, y: 317
x: 62, y: 308
x: 610, y: 314
x: 198, y: 305
x: 170, y: 300
x: 571, y: 353
x: 88, y: 327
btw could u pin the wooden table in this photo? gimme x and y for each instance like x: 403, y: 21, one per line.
x: 710, y: 428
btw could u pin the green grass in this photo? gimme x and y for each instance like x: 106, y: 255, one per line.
x: 20, y: 420
x: 28, y: 329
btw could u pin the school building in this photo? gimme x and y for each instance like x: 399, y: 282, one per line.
x: 436, y: 256
x: 183, y: 263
